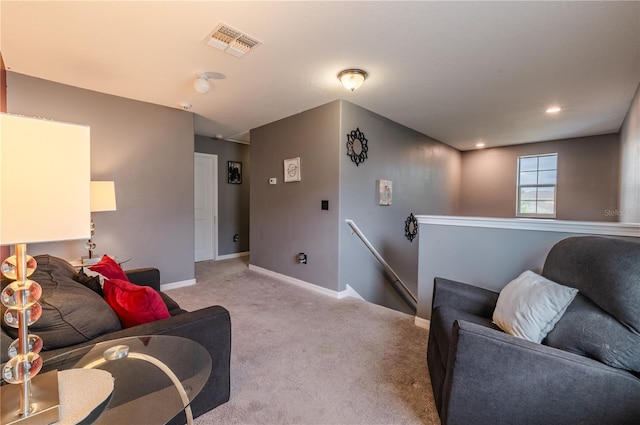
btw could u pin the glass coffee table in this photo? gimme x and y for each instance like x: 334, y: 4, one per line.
x: 155, y: 377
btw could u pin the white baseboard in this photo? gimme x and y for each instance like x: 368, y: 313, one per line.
x: 422, y: 323
x: 350, y: 292
x: 229, y: 256
x: 176, y: 285
x: 300, y: 283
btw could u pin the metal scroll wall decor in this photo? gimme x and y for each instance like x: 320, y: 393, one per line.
x: 411, y: 227
x: 357, y: 146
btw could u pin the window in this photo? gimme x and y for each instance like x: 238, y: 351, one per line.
x: 537, y: 177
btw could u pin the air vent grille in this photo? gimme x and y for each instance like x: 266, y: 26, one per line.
x: 232, y: 41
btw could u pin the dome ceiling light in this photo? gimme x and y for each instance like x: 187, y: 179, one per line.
x: 202, y: 84
x: 352, y: 79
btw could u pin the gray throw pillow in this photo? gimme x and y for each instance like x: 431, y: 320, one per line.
x: 91, y: 282
x: 71, y: 312
x: 588, y: 330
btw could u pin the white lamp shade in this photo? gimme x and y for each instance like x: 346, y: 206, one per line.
x: 103, y: 196
x: 44, y: 180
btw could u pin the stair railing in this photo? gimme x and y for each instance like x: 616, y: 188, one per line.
x: 397, y: 283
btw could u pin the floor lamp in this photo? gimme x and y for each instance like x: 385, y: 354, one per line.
x: 44, y: 197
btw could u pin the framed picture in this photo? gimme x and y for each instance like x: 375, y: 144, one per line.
x: 292, y: 170
x: 234, y: 172
x: 385, y: 190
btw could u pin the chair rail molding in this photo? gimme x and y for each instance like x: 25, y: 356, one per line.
x: 543, y: 225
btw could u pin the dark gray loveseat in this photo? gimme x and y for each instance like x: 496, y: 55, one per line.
x: 74, y: 312
x: 481, y: 375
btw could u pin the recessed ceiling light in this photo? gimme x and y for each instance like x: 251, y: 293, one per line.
x: 553, y: 109
x: 480, y: 145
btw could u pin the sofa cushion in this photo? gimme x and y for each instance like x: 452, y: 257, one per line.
x: 605, y: 270
x: 134, y: 304
x: 91, y: 282
x: 71, y: 312
x: 55, y: 266
x: 108, y: 268
x: 588, y: 330
x: 530, y: 306
x: 172, y: 306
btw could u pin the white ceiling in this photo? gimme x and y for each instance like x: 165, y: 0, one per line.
x: 460, y: 72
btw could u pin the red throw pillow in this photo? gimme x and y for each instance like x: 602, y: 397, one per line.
x: 134, y: 304
x: 108, y: 268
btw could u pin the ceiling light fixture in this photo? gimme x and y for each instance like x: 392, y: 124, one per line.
x: 352, y: 79
x: 480, y: 145
x: 202, y: 84
x: 553, y: 110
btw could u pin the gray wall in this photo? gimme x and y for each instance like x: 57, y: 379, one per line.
x: 286, y: 218
x: 629, y: 211
x: 587, y: 187
x: 425, y: 177
x: 148, y: 151
x: 233, y: 199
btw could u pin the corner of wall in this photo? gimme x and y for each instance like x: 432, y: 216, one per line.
x: 630, y: 163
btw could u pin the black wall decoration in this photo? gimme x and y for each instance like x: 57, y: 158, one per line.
x: 411, y: 227
x: 357, y: 146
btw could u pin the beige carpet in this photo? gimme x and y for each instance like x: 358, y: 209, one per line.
x: 299, y: 357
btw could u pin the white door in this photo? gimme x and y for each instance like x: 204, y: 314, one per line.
x: 205, y: 206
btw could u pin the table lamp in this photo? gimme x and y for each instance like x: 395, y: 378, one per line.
x: 44, y: 197
x: 103, y: 198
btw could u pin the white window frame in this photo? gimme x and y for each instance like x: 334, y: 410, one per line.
x: 537, y: 185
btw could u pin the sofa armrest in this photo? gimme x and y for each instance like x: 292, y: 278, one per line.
x: 148, y: 276
x: 465, y: 297
x: 495, y: 378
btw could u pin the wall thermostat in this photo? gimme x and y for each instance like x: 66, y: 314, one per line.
x: 273, y: 180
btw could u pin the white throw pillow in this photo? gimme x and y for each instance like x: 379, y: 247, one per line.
x: 531, y: 305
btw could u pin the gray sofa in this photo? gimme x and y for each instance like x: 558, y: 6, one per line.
x: 587, y: 369
x: 75, y: 315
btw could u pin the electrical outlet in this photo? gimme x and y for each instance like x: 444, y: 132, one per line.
x: 302, y: 258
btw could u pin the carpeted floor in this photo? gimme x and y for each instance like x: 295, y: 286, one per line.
x: 299, y: 357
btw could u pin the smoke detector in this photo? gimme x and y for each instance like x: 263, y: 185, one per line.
x: 232, y: 41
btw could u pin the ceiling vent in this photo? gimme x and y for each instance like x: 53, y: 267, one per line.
x: 232, y: 41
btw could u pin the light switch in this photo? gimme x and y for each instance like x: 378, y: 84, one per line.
x: 273, y: 180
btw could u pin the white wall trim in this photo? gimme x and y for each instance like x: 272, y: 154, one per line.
x: 234, y: 255
x: 176, y: 285
x: 350, y: 292
x: 543, y: 225
x: 300, y: 283
x: 422, y: 323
